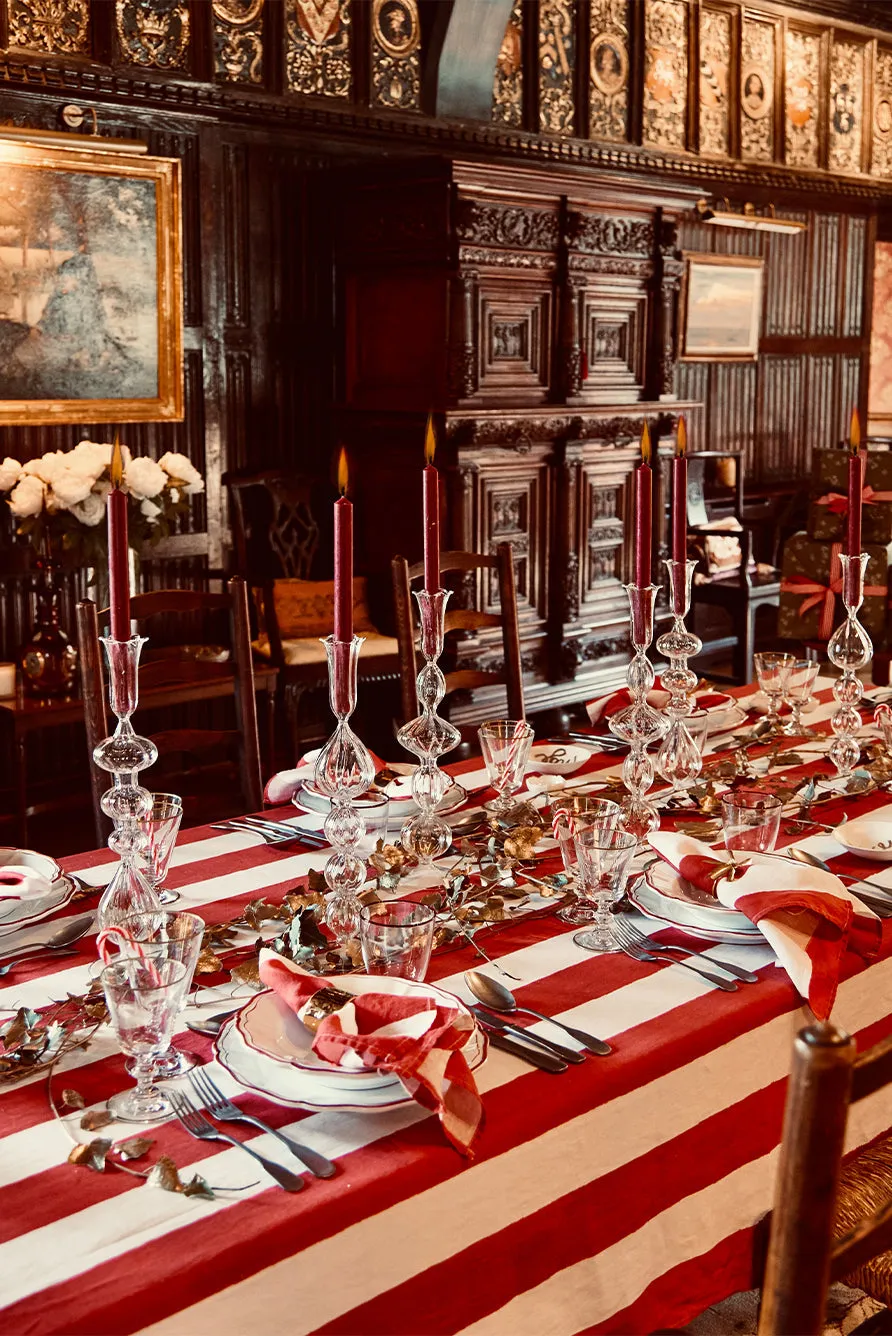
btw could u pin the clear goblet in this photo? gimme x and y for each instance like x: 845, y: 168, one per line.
x: 751, y: 820
x: 604, y: 857
x: 800, y: 685
x: 161, y: 826
x: 569, y: 815
x: 505, y: 744
x: 773, y: 672
x: 161, y: 935
x: 144, y: 999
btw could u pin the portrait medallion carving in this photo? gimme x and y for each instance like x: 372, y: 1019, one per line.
x: 803, y: 56
x: 153, y: 32
x: 317, y: 59
x: 238, y: 40
x: 715, y: 60
x: 609, y: 70
x: 50, y: 25
x: 757, y: 90
x: 881, y: 153
x: 557, y: 61
x: 846, y: 108
x: 666, y: 73
x: 396, y: 35
x: 507, y: 87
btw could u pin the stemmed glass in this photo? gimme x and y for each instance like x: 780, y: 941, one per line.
x: 505, y: 744
x: 604, y: 857
x: 773, y: 672
x: 583, y: 812
x: 144, y: 999
x: 800, y: 685
x: 751, y: 820
x: 160, y: 935
x: 161, y: 826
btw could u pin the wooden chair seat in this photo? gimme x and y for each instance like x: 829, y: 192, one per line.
x: 309, y: 652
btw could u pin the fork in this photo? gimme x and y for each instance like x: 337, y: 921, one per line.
x: 649, y: 944
x: 631, y: 948
x: 217, y: 1104
x: 199, y: 1127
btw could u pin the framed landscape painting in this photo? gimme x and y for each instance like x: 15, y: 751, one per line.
x: 90, y: 285
x: 721, y: 308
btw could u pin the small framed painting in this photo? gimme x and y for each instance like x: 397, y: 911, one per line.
x: 721, y: 308
x: 91, y: 311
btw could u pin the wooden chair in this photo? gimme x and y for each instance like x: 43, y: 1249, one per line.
x: 462, y: 620
x: 817, y: 1197
x: 170, y: 681
x: 743, y: 591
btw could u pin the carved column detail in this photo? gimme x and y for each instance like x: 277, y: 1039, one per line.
x: 563, y: 593
x: 462, y: 364
x: 671, y: 271
x: 571, y: 340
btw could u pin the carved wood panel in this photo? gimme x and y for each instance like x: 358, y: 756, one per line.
x: 154, y: 33
x: 802, y: 85
x: 609, y: 63
x: 716, y: 32
x: 881, y: 150
x: 396, y: 54
x: 557, y: 65
x: 846, y: 106
x: 318, y: 53
x: 58, y: 27
x: 514, y: 324
x: 666, y: 73
x: 507, y: 85
x: 759, y: 43
x: 238, y: 40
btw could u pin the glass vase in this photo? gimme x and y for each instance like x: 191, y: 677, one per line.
x: 678, y: 759
x: 48, y: 660
x: 639, y: 724
x: 850, y: 650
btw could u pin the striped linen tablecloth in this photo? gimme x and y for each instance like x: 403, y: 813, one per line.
x: 617, y: 1197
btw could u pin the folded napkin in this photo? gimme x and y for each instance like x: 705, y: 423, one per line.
x: 604, y: 706
x: 285, y: 783
x: 22, y: 883
x: 806, y: 915
x: 417, y: 1038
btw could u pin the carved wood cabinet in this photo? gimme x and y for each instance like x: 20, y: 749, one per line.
x: 536, y: 315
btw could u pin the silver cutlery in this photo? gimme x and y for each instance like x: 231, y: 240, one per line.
x: 631, y: 949
x: 62, y: 938
x: 269, y: 836
x: 536, y: 1057
x: 212, y: 1025
x: 803, y: 856
x: 499, y: 998
x: 556, y: 1050
x: 198, y: 1126
x: 281, y: 827
x: 222, y: 1108
x: 650, y: 944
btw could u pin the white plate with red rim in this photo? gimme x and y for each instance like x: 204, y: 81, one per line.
x: 662, y: 894
x: 868, y: 837
x: 399, y: 791
x: 268, y: 1026
x: 18, y: 914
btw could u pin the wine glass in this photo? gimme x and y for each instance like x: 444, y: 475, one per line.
x: 568, y: 815
x: 505, y: 744
x: 751, y: 820
x: 605, y: 858
x: 773, y: 672
x: 161, y: 935
x: 162, y: 826
x: 144, y: 999
x: 800, y: 685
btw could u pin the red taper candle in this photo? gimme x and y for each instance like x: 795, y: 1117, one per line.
x: 680, y: 509
x: 643, y: 513
x: 856, y: 484
x: 118, y: 564
x: 431, y: 493
x: 343, y: 558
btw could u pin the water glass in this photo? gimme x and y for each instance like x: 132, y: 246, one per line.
x: 773, y: 672
x: 605, y: 858
x: 751, y: 820
x: 165, y: 936
x: 800, y: 685
x: 396, y: 938
x: 882, y: 717
x: 144, y: 999
x: 583, y: 813
x: 162, y: 825
x: 505, y: 744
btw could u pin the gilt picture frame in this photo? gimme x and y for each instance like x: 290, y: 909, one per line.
x: 91, y: 308
x: 721, y: 308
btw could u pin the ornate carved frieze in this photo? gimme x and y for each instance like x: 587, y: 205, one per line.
x: 57, y: 26
x: 557, y: 62
x: 802, y: 84
x: 396, y: 54
x: 609, y: 70
x: 571, y: 587
x: 507, y: 85
x: 881, y: 153
x: 609, y: 234
x: 317, y: 47
x: 666, y: 73
x: 757, y: 89
x: 845, y: 131
x: 715, y: 66
x: 507, y: 225
x: 519, y: 432
x: 153, y: 32
x: 238, y: 40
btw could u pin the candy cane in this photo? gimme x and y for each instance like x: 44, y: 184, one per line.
x: 561, y: 818
x: 118, y: 936
x: 520, y: 729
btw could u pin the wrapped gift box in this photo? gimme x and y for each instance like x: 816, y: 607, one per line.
x: 811, y: 587
x: 829, y: 503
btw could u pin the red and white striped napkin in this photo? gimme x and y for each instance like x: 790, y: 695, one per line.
x: 807, y: 915
x: 418, y: 1038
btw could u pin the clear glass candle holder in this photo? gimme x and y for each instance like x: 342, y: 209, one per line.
x: 639, y: 724
x: 679, y: 758
x: 849, y: 649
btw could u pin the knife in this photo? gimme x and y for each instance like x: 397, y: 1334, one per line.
x: 548, y: 1045
x: 534, y: 1056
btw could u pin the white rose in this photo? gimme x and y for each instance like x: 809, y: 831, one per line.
x: 46, y: 468
x: 144, y: 477
x: 27, y: 497
x: 91, y: 510
x: 181, y: 468
x: 150, y: 510
x: 10, y: 472
x: 91, y: 457
x: 69, y: 488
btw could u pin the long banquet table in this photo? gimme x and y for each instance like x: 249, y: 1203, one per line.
x: 618, y: 1197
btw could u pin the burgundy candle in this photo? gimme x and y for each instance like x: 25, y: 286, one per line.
x: 856, y: 484
x: 643, y: 515
x: 343, y: 558
x: 680, y: 494
x: 118, y: 565
x: 431, y: 494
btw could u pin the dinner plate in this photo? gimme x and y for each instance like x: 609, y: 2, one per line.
x: 42, y: 864
x: 866, y: 836
x: 643, y: 898
x: 557, y: 758
x: 310, y: 799
x: 298, y: 1089
x: 23, y: 913
x: 666, y: 895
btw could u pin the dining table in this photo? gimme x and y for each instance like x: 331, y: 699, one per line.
x: 625, y: 1194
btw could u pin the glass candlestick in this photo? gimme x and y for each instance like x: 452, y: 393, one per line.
x: 126, y: 803
x: 427, y: 836
x: 639, y: 724
x: 344, y: 772
x: 679, y: 760
x: 849, y: 649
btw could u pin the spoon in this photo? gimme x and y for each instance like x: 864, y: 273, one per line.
x: 61, y: 938
x: 498, y: 998
x: 803, y: 856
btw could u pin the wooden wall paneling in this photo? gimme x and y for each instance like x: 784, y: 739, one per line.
x: 508, y: 78
x: 760, y: 87
x: 785, y: 292
x: 692, y: 382
x: 608, y: 73
x: 732, y: 408
x: 59, y: 29
x: 824, y: 241
x: 881, y: 123
x: 159, y: 38
x: 717, y: 84
x: 848, y: 395
x: 846, y: 104
x: 853, y: 292
x: 238, y: 39
x: 781, y: 428
x: 665, y: 106
x: 821, y: 402
x: 558, y: 48
x: 319, y: 49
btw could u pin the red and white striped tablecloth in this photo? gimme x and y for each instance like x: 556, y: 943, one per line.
x: 617, y: 1197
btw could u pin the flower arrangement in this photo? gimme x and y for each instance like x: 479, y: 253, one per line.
x: 59, y: 500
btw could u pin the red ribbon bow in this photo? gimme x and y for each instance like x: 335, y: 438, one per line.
x: 838, y: 504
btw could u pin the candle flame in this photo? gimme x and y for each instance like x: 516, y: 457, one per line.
x: 116, y: 467
x: 430, y: 440
x: 342, y: 472
x: 681, y: 439
x: 855, y: 432
x: 645, y: 444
